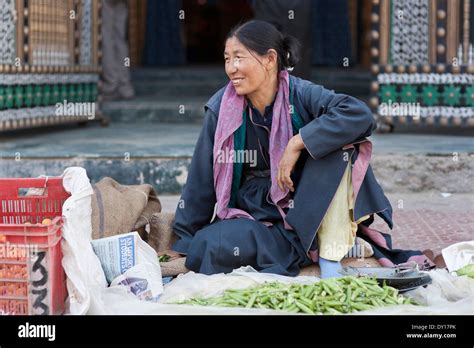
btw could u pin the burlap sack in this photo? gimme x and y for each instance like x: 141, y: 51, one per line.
x: 161, y: 235
x: 161, y: 238
x: 173, y: 268
x: 120, y: 209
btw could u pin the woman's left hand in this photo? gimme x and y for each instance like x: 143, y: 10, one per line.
x: 288, y: 162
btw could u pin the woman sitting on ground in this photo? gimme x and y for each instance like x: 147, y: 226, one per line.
x: 284, y: 165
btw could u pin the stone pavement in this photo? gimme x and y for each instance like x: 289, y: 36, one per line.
x: 421, y: 220
x: 430, y: 220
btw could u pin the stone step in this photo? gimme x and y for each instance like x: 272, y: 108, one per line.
x: 178, y: 95
x: 141, y: 109
x: 156, y: 110
x: 153, y: 153
x: 175, y: 89
x: 205, y: 81
x: 207, y: 88
x: 189, y: 72
x: 217, y: 73
x: 160, y: 154
x: 399, y: 173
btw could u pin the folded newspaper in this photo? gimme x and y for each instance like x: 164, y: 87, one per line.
x: 128, y: 261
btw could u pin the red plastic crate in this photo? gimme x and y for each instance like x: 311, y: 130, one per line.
x: 32, y: 280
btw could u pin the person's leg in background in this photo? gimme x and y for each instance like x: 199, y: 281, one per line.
x: 115, y: 73
x: 109, y: 69
x: 124, y: 88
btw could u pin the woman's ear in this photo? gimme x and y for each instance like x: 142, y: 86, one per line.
x: 272, y: 58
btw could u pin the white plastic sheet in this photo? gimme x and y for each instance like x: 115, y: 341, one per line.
x: 447, y: 294
x: 193, y: 284
x: 458, y: 255
x: 85, y: 277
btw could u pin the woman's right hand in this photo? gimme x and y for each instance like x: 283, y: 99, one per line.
x: 288, y: 161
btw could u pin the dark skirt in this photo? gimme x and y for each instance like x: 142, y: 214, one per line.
x: 228, y: 244
x: 225, y: 245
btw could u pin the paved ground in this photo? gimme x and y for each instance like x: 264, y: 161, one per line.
x: 430, y: 221
x: 422, y: 221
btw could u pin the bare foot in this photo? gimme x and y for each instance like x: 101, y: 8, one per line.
x: 439, y: 261
x: 429, y: 254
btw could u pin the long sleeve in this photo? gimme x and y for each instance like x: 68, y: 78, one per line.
x: 338, y: 120
x: 196, y: 206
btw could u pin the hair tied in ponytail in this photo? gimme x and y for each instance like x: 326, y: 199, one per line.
x: 289, y: 68
x: 259, y: 37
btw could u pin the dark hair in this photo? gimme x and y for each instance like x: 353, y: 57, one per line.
x: 260, y: 36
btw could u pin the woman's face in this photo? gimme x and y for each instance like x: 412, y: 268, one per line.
x: 243, y: 69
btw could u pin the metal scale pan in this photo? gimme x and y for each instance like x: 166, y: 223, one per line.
x: 403, y: 279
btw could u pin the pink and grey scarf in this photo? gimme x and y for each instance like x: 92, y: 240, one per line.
x: 230, y: 119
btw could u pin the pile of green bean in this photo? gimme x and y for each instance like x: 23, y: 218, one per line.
x: 328, y: 296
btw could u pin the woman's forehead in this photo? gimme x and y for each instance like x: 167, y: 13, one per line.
x: 233, y: 46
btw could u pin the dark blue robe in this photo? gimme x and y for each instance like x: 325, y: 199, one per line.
x: 331, y: 121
